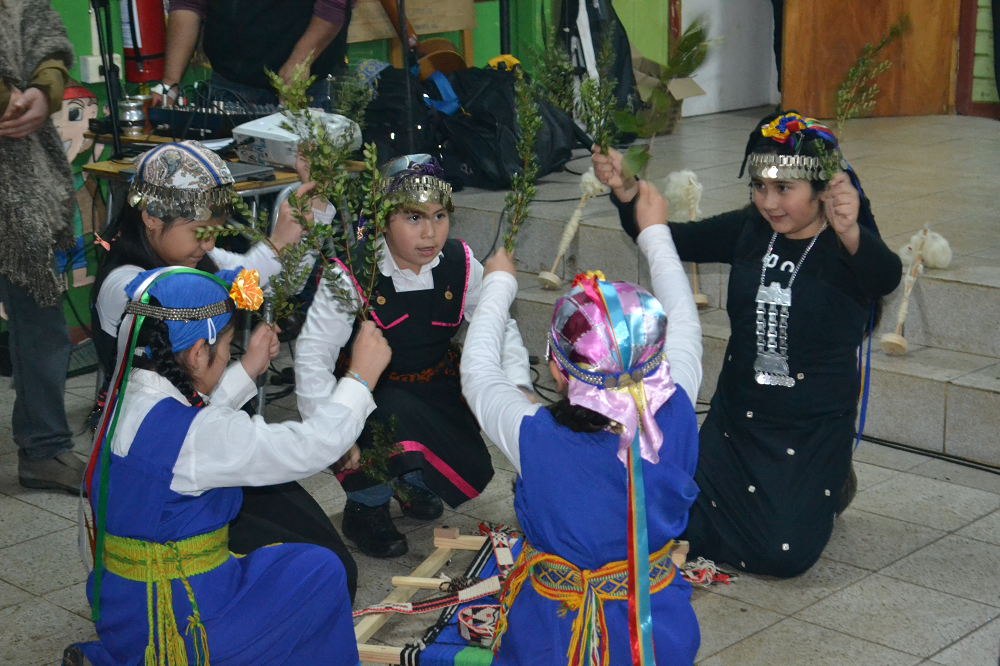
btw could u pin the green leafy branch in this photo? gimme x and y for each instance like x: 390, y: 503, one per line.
x: 375, y: 459
x: 522, y: 185
x: 598, y: 103
x: 858, y: 93
x: 661, y: 108
x: 554, y: 71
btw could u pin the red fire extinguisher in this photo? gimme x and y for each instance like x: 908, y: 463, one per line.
x: 144, y: 37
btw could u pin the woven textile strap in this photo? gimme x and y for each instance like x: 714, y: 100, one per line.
x: 156, y: 564
x: 584, y: 591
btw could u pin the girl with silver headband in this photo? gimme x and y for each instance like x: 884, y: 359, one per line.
x: 177, y: 189
x: 427, y: 286
x: 808, y: 270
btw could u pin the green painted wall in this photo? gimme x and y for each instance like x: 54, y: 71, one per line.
x: 984, y: 85
x: 647, y: 25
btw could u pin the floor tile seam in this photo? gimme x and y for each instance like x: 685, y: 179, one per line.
x: 782, y: 618
x: 902, y: 557
x: 863, y: 640
x: 958, y: 640
x: 40, y: 508
x: 882, y: 572
x: 40, y: 536
x: 867, y: 574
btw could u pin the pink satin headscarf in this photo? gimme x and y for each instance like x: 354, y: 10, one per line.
x: 596, y: 326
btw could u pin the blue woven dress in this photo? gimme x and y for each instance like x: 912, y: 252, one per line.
x: 283, y: 604
x: 572, y: 501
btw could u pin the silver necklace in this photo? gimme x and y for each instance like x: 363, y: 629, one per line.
x: 773, y: 305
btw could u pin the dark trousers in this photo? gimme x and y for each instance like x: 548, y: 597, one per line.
x: 287, y: 513
x: 39, y: 356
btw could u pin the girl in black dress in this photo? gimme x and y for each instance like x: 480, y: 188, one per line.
x: 808, y: 271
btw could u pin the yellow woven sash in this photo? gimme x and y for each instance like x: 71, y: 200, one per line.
x: 156, y: 564
x: 582, y: 590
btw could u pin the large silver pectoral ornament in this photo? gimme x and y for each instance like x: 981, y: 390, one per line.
x: 771, y: 366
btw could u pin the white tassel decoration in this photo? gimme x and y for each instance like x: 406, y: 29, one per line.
x: 936, y: 254
x: 590, y: 187
x: 682, y: 190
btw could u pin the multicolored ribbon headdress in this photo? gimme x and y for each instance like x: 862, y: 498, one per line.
x: 195, y: 305
x: 607, y: 338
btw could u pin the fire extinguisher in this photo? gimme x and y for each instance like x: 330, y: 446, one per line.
x: 144, y: 37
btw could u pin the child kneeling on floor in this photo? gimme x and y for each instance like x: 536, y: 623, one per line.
x: 164, y: 482
x: 427, y: 286
x: 605, y: 476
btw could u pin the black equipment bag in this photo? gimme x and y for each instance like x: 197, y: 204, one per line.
x: 482, y: 136
x: 385, y: 118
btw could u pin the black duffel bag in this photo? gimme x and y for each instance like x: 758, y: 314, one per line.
x: 482, y: 135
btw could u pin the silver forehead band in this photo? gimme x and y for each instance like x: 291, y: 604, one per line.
x: 171, y: 202
x: 606, y: 381
x: 793, y: 167
x: 422, y: 189
x: 179, y: 314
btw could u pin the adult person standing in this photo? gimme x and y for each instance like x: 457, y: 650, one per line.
x: 36, y: 218
x: 242, y: 38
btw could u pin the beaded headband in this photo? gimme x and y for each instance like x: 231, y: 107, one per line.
x: 170, y: 203
x: 600, y: 380
x: 793, y: 167
x: 180, y: 314
x: 420, y: 189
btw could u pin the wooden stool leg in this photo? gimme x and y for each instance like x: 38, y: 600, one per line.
x: 396, y: 53
x: 470, y: 61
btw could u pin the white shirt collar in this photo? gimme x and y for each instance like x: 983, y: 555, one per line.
x: 389, y: 268
x: 148, y: 381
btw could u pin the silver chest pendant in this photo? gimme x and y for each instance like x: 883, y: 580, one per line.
x: 771, y: 366
x: 773, y: 305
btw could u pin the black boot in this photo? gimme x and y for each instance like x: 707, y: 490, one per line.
x: 372, y: 531
x: 73, y: 656
x: 419, y: 503
x: 848, y: 492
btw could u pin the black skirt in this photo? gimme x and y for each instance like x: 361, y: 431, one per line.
x: 436, y: 431
x: 769, y: 488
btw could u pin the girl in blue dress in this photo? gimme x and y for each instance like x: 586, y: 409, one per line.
x: 164, y: 483
x: 605, y: 476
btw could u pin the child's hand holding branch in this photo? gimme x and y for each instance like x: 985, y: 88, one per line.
x: 263, y: 347
x: 841, y: 203
x: 370, y: 354
x: 608, y: 169
x: 500, y: 262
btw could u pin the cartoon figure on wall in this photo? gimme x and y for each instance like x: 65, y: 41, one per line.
x: 73, y: 122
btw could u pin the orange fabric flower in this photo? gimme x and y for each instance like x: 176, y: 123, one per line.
x: 589, y: 275
x: 246, y: 291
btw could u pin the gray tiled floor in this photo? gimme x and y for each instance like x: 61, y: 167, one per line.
x: 911, y: 575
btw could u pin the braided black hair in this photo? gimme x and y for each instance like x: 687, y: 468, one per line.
x: 576, y: 418
x: 163, y: 361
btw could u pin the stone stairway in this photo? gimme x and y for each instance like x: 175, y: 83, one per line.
x: 943, y: 395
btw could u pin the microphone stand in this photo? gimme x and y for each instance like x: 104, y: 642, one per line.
x: 112, y: 83
x: 403, y: 39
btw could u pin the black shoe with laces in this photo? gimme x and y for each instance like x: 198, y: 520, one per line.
x: 372, y: 531
x: 420, y: 504
x: 73, y: 656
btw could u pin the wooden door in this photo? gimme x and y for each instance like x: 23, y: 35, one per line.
x: 822, y: 41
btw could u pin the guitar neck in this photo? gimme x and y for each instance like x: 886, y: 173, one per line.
x: 392, y: 11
